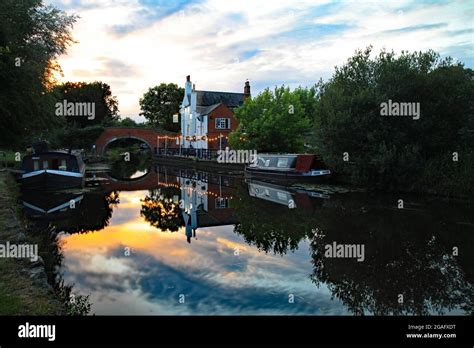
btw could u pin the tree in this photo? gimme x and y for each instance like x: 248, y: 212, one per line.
x: 398, y: 152
x: 308, y: 100
x: 32, y: 36
x: 160, y: 103
x: 128, y: 122
x: 98, y: 93
x: 271, y: 122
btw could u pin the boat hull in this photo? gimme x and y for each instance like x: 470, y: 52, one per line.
x: 51, y: 180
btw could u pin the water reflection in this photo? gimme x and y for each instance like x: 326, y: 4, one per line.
x: 412, y: 253
x: 160, y: 208
x: 70, y: 212
x: 254, y: 245
x: 134, y: 166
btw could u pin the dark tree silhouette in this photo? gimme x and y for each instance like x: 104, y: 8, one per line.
x: 161, y: 211
x: 271, y: 227
x: 406, y: 253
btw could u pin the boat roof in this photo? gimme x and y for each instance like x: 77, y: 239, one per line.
x: 55, y: 152
x: 280, y: 154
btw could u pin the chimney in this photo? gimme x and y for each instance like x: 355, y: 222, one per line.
x: 247, y: 90
x: 188, y: 86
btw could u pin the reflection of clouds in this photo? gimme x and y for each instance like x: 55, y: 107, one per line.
x: 229, y: 244
x: 163, y: 265
x: 94, y: 262
x: 157, y: 286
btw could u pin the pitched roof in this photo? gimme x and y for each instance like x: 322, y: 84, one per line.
x: 206, y: 110
x: 208, y: 98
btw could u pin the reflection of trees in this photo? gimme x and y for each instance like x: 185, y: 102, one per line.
x: 121, y: 169
x: 405, y: 253
x: 50, y: 250
x: 93, y: 214
x: 161, y: 210
x: 270, y: 226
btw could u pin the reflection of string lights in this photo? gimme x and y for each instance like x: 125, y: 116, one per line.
x: 195, y: 137
x: 169, y: 185
x: 208, y: 193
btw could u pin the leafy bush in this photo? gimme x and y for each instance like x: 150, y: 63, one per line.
x: 398, y: 152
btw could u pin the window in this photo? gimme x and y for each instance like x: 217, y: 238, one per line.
x: 222, y: 123
x: 222, y: 203
x: 63, y: 165
x: 282, y: 162
x: 36, y: 165
x: 45, y: 164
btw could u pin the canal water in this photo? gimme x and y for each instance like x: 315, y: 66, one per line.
x: 171, y: 241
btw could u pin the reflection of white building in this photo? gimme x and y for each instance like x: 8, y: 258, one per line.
x: 207, y: 117
x: 205, y: 203
x: 193, y: 195
x: 193, y: 199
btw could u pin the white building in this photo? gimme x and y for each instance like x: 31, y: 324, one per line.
x: 207, y: 117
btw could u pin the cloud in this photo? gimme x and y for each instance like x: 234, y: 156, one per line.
x: 416, y: 28
x: 147, y: 283
x: 134, y: 45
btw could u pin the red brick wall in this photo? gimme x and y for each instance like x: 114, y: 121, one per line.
x: 220, y: 214
x: 221, y: 111
x: 146, y: 134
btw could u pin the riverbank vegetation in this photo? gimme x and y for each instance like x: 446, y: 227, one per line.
x: 433, y: 153
x: 19, y: 294
x: 26, y: 287
x: 430, y: 152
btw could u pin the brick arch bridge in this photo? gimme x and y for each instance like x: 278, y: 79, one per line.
x: 147, y: 135
x: 148, y: 181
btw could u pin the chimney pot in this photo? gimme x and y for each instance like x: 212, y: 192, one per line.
x: 247, y: 89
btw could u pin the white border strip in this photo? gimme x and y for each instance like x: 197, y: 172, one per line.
x: 52, y: 171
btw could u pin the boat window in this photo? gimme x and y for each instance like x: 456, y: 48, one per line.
x: 63, y: 165
x: 282, y: 162
x: 45, y: 164
x: 261, y: 161
x: 281, y: 196
x: 36, y: 165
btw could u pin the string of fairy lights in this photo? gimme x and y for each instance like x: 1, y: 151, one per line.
x: 196, y: 137
x: 208, y: 193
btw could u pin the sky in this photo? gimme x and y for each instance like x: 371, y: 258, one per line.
x: 133, y: 45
